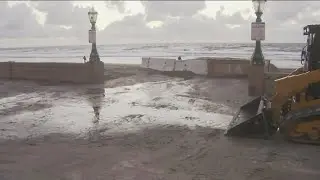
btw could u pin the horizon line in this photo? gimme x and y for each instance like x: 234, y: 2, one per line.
x: 110, y: 44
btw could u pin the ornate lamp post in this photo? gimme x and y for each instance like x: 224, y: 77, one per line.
x: 258, y: 32
x: 94, y: 56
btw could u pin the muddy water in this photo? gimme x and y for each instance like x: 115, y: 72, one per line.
x: 169, y: 149
x: 83, y: 110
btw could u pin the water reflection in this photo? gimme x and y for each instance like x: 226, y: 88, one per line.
x: 96, y: 110
x: 95, y: 96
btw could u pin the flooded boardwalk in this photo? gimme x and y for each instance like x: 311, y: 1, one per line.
x: 138, y: 126
x: 76, y: 110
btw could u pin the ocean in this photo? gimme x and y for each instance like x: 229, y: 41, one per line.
x: 281, y: 54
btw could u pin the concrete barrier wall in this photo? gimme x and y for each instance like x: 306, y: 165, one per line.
x: 161, y: 64
x: 227, y: 67
x: 197, y: 66
x: 202, y: 66
x: 181, y: 66
x: 224, y: 67
x: 169, y: 65
x: 5, y: 70
x: 54, y: 72
x: 212, y: 67
x: 145, y: 62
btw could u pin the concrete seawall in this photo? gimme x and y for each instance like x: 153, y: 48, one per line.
x: 53, y: 72
x: 262, y: 80
x: 211, y: 67
x: 218, y: 67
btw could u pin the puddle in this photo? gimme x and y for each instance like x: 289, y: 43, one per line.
x: 137, y: 106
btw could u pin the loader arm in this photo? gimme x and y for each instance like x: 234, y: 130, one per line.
x: 289, y: 86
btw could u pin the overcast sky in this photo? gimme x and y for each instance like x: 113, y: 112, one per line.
x: 66, y: 22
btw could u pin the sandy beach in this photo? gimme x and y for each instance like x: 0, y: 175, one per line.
x: 139, y: 125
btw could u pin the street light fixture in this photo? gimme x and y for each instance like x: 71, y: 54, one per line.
x: 93, y: 15
x: 258, y: 32
x: 258, y: 6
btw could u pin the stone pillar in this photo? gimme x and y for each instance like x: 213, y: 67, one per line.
x: 95, y: 72
x: 256, y: 80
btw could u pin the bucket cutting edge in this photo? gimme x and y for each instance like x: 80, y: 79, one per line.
x: 249, y: 120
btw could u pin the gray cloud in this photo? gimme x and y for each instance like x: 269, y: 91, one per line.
x: 281, y: 11
x: 186, y: 29
x: 63, y: 13
x: 130, y: 26
x: 18, y: 21
x: 284, y: 22
x: 234, y: 19
x: 119, y: 5
x: 285, y: 19
x: 160, y: 10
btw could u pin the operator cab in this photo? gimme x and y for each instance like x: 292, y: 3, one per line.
x: 311, y: 56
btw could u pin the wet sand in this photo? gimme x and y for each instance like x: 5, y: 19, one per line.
x: 139, y: 125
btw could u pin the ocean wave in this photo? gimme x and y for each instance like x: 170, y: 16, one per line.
x: 146, y: 47
x: 285, y: 51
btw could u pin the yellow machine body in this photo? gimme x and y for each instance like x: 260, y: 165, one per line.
x: 299, y: 120
x: 290, y: 110
x: 294, y: 108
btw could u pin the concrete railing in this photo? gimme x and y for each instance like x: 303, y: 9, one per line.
x: 159, y: 64
x: 212, y: 67
x: 227, y: 67
x: 261, y: 80
x: 54, y: 72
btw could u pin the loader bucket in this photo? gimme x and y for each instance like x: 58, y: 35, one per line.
x: 250, y: 121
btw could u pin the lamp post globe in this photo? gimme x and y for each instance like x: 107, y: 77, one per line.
x: 93, y: 15
x: 258, y: 5
x: 257, y: 57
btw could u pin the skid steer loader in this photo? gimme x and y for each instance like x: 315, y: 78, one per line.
x: 294, y: 108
